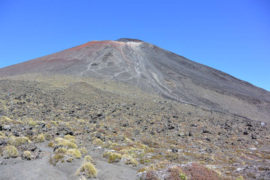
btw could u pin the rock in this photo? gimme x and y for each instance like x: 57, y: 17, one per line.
x: 69, y: 133
x: 228, y: 126
x: 1, y: 127
x: 206, y: 131
x: 42, y: 125
x: 114, y: 131
x: 64, y: 131
x: 245, y: 133
x: 29, y: 147
x: 209, y: 150
x: 93, y: 121
x: 174, y: 150
x: 6, y: 127
x: 125, y: 124
x: 3, y: 142
x: 249, y: 124
x: 253, y: 136
x: 15, y: 133
x: 100, y: 136
x: 181, y: 134
x: 56, y: 147
x: 170, y: 127
x: 29, y: 133
x: 137, y: 132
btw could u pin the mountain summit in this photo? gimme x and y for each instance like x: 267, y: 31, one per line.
x: 155, y: 70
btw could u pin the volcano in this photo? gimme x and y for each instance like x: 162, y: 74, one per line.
x: 154, y: 70
x: 127, y: 109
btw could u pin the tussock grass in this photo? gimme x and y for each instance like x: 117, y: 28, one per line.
x: 74, y: 153
x: 10, y: 152
x: 88, y: 158
x: 27, y: 155
x: 65, y: 143
x: 18, y: 141
x: 40, y: 138
x: 87, y: 169
x: 57, y: 158
x: 112, y: 156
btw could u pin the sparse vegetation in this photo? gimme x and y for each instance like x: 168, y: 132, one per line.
x: 114, y: 157
x: 83, y: 151
x: 74, y: 152
x: 17, y: 141
x: 40, y: 138
x: 87, y: 169
x: 176, y: 173
x: 130, y: 160
x: 240, y: 178
x: 88, y: 158
x: 61, y: 150
x: 65, y: 143
x: 51, y: 144
x: 10, y: 152
x: 97, y: 141
x: 57, y: 158
x: 70, y: 138
x: 141, y: 135
x: 27, y: 155
x: 199, y: 172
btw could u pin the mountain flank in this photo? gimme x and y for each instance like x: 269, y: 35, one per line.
x: 154, y: 70
x: 129, y: 110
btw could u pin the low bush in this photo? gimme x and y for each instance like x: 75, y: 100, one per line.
x: 74, y: 153
x: 88, y: 158
x: 199, y: 172
x: 27, y: 155
x: 65, y: 143
x: 112, y: 156
x: 56, y: 158
x: 130, y: 160
x: 40, y: 138
x: 176, y: 173
x: 10, y: 152
x: 18, y: 141
x: 88, y: 169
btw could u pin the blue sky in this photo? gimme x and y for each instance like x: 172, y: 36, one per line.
x: 232, y: 35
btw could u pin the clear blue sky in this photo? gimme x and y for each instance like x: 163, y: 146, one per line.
x: 230, y: 35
